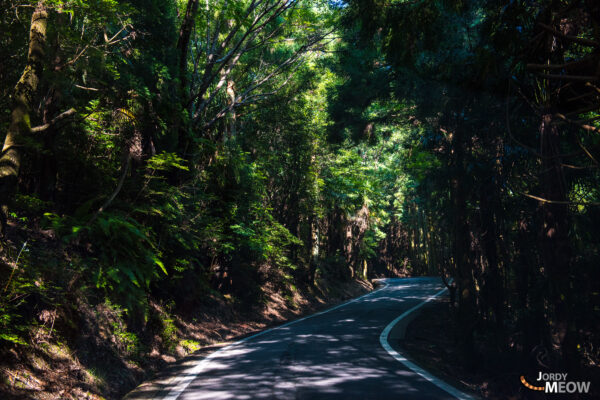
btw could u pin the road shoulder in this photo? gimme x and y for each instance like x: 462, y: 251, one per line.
x: 429, y: 341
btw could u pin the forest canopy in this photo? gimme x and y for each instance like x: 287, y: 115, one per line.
x: 172, y: 151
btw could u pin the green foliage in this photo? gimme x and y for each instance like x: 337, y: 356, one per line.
x: 302, y: 146
x: 166, y: 162
x: 168, y: 334
x: 123, y: 260
x: 127, y: 251
x: 22, y: 281
x: 190, y: 346
x: 127, y: 342
x: 471, y: 154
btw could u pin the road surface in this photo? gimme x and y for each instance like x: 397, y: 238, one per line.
x: 336, y: 354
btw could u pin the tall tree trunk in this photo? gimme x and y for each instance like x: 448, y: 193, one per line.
x: 416, y: 261
x: 183, y: 43
x: 312, y: 248
x: 183, y: 46
x: 23, y: 99
x: 464, y: 273
x: 555, y: 247
x: 492, y: 277
x: 47, y: 160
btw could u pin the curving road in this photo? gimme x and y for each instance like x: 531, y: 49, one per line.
x: 335, y: 354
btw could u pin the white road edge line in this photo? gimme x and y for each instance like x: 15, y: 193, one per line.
x: 383, y: 339
x: 186, y: 377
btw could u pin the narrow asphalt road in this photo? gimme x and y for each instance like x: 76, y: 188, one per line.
x: 332, y: 355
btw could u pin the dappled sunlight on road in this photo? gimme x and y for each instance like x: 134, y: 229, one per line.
x: 333, y: 355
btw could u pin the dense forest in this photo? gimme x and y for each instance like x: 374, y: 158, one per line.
x: 169, y: 152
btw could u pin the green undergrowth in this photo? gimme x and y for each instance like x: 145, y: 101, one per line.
x: 76, y: 324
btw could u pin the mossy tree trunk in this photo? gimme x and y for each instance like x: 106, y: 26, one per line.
x: 23, y: 98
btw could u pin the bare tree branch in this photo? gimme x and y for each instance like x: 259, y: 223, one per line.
x: 70, y: 112
x: 575, y: 78
x: 245, y: 97
x: 574, y: 39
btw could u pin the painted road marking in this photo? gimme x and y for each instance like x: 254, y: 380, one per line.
x: 383, y: 339
x: 182, y: 381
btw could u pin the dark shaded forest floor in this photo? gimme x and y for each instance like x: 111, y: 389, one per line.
x: 431, y: 342
x: 100, y: 360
